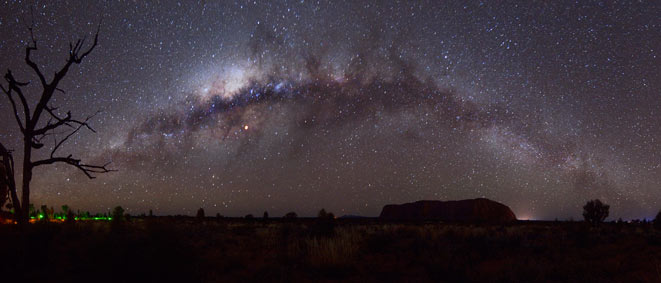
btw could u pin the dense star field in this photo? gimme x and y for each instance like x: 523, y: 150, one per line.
x: 298, y: 105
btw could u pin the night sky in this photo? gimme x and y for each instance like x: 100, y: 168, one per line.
x: 241, y: 107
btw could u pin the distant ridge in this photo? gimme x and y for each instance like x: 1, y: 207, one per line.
x: 468, y: 210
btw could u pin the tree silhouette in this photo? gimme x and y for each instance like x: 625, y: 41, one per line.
x: 291, y: 215
x: 34, y: 132
x: 325, y: 215
x: 595, y: 211
x: 117, y: 214
x: 33, y: 211
x: 200, y: 213
x: 657, y: 221
x: 69, y: 216
x: 322, y: 213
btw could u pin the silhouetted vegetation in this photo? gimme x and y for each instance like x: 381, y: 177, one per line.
x: 291, y: 215
x: 324, y: 226
x: 595, y: 212
x: 181, y: 248
x: 325, y: 215
x: 657, y: 221
x: 118, y: 214
x: 328, y: 249
x: 70, y: 216
x: 47, y: 213
x: 32, y: 211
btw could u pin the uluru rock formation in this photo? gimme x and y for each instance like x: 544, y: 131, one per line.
x: 468, y: 210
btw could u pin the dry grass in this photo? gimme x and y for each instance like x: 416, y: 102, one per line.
x: 338, y: 251
x: 305, y: 250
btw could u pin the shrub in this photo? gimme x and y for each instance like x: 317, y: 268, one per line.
x: 291, y: 215
x: 595, y: 212
x: 33, y: 212
x: 118, y: 214
x: 266, y: 215
x: 322, y: 213
x: 44, y: 213
x: 70, y: 217
x: 200, y: 213
x: 325, y: 215
x: 657, y: 221
x: 324, y: 226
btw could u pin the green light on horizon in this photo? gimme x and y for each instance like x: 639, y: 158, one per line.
x: 41, y: 216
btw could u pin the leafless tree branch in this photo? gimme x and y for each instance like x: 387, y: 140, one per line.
x: 28, y: 50
x: 80, y: 126
x: 15, y: 87
x: 87, y: 169
x: 15, y: 110
x: 33, y: 135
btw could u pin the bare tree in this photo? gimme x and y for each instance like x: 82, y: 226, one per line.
x: 33, y: 132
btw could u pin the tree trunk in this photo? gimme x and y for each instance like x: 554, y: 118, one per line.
x: 9, y: 180
x: 24, y: 216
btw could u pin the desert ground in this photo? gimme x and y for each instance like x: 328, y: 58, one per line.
x: 308, y: 249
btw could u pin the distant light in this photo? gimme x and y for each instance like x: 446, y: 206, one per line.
x: 245, y: 127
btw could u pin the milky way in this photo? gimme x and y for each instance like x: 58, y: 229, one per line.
x: 251, y: 106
